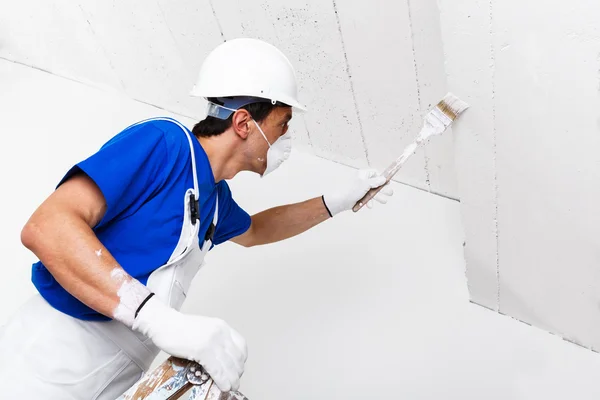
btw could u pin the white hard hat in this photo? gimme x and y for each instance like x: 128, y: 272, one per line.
x: 248, y: 67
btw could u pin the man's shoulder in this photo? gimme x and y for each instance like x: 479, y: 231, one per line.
x: 166, y: 124
x: 172, y: 130
x: 167, y: 127
x: 167, y: 130
x: 143, y: 131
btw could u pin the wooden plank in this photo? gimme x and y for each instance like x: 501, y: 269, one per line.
x: 167, y: 381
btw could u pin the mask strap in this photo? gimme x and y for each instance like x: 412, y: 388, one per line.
x: 262, y: 133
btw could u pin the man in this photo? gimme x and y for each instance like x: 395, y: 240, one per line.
x: 121, y: 238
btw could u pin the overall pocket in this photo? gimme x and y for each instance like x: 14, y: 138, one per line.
x: 61, y: 351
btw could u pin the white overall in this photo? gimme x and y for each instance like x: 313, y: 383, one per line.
x: 45, y: 354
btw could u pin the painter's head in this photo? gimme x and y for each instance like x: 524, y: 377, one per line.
x: 251, y: 90
x: 254, y: 127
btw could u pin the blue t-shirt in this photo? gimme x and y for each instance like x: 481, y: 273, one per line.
x: 143, y: 173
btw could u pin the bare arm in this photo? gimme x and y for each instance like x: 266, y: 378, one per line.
x: 60, y: 234
x: 279, y: 223
x: 284, y: 222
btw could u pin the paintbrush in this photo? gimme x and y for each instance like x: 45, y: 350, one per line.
x: 436, y: 122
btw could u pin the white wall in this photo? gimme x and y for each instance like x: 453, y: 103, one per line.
x: 368, y: 71
x: 371, y: 305
x: 528, y: 157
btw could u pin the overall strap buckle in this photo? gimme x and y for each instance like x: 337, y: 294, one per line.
x: 210, y: 233
x: 194, y: 209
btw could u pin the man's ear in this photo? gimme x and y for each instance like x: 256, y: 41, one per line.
x: 241, y: 123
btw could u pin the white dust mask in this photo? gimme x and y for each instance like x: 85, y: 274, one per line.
x: 278, y: 152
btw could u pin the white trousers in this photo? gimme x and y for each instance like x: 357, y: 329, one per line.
x: 45, y: 354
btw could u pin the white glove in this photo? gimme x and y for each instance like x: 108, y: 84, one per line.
x: 208, y: 341
x: 345, y: 196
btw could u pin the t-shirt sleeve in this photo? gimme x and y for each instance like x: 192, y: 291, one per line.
x: 233, y: 220
x: 127, y: 169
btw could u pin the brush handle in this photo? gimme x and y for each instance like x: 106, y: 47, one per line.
x: 388, y: 174
x: 368, y: 197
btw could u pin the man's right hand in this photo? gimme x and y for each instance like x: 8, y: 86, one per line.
x: 208, y: 341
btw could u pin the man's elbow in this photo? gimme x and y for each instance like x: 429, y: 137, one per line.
x: 31, y: 235
x: 40, y: 229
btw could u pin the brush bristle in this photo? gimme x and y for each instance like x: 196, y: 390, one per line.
x: 452, y: 106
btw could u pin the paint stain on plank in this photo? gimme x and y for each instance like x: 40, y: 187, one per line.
x: 158, y: 378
